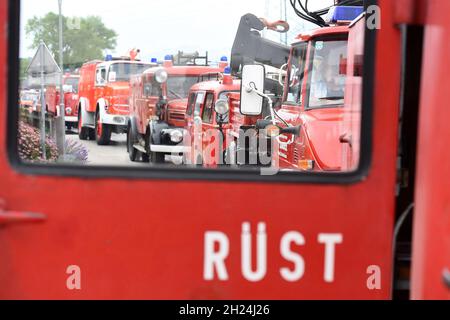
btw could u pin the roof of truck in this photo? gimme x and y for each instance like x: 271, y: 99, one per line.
x: 217, y: 86
x: 306, y: 36
x: 185, y: 70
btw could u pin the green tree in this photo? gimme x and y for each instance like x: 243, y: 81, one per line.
x: 24, y: 63
x: 84, y: 38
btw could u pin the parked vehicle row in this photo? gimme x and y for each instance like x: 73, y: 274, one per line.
x: 296, y: 107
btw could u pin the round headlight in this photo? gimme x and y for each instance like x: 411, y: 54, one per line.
x: 176, y: 136
x: 161, y: 76
x: 222, y: 107
x: 272, y: 131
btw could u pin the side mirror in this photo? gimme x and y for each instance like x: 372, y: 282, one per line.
x: 253, y: 77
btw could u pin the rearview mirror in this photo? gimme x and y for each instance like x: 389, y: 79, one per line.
x: 253, y: 77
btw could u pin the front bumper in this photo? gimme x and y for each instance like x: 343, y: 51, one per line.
x: 117, y: 120
x: 169, y: 149
x: 71, y: 119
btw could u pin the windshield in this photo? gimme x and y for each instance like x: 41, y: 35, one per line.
x: 178, y: 87
x: 124, y: 71
x: 72, y: 82
x: 328, y: 74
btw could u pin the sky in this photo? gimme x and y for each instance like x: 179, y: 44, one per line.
x: 160, y: 27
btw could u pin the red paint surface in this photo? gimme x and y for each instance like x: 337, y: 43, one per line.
x: 141, y: 246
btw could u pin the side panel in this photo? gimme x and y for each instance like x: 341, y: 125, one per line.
x: 431, y: 251
x: 146, y: 238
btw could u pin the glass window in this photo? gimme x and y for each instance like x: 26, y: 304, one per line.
x: 327, y: 81
x: 124, y: 71
x: 73, y: 82
x: 296, y: 74
x: 312, y: 79
x: 178, y: 87
x: 191, y: 103
x: 208, y: 108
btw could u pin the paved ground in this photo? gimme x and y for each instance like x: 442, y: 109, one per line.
x: 112, y: 155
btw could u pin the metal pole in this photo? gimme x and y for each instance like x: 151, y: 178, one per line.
x: 43, y: 104
x: 285, y: 19
x: 61, y: 121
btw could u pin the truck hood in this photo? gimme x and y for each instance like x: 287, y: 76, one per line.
x: 179, y: 105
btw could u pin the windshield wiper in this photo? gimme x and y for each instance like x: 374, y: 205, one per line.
x: 175, y: 94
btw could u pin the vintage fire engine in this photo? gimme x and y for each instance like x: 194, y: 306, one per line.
x: 158, y: 100
x: 104, y: 88
x: 210, y: 119
x: 378, y: 232
x: 71, y: 99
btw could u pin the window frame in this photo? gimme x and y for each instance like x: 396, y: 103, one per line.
x: 65, y: 171
x: 304, y: 47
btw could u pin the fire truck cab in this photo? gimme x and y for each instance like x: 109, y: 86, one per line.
x: 323, y: 76
x: 158, y: 100
x: 210, y: 119
x: 103, y: 106
x: 52, y: 98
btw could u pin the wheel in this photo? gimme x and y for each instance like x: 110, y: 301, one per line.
x: 157, y: 157
x: 145, y: 158
x: 132, y: 152
x: 83, y: 133
x: 102, y: 131
x: 152, y: 157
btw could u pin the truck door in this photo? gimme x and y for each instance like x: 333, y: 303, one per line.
x: 209, y: 130
x: 71, y: 231
x: 431, y: 241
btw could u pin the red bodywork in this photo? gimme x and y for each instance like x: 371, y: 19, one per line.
x: 321, y: 128
x: 143, y: 104
x: 202, y: 99
x: 52, y: 97
x: 115, y: 93
x: 154, y: 248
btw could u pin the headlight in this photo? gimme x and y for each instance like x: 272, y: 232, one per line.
x: 161, y: 76
x: 222, y: 107
x: 176, y: 136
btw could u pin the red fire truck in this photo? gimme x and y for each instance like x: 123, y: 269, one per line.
x: 321, y: 68
x: 210, y: 119
x: 70, y: 100
x: 158, y: 100
x: 233, y: 234
x: 104, y: 88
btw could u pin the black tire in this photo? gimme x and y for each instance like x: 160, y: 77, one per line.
x: 145, y: 158
x: 102, y: 132
x: 157, y: 157
x: 132, y: 152
x: 152, y: 157
x: 83, y: 132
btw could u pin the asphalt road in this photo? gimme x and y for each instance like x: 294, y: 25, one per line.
x: 113, y: 155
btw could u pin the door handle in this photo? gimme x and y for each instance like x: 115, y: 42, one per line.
x: 18, y: 217
x: 446, y: 277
